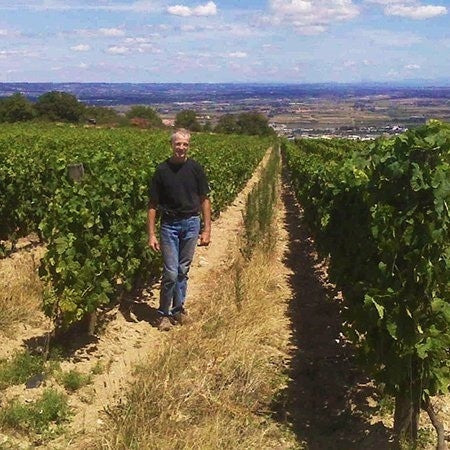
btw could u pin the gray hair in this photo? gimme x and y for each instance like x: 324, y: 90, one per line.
x: 180, y: 132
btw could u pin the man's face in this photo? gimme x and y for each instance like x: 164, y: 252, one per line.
x: 180, y: 147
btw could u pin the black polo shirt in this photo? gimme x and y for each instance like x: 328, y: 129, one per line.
x: 177, y: 188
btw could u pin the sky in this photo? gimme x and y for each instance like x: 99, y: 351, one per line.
x: 292, y: 41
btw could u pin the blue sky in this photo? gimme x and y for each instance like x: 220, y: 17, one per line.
x: 224, y: 40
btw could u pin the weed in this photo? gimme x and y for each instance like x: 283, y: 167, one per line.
x: 73, y: 380
x: 38, y: 417
x: 98, y: 368
x: 19, y: 369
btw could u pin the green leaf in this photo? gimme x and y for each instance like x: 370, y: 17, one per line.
x: 379, y: 308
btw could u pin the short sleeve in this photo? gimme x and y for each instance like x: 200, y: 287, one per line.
x: 154, y: 193
x: 203, y: 186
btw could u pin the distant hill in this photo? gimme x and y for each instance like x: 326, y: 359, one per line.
x: 109, y: 94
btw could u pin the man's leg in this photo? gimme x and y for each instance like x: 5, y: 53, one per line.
x: 188, y: 242
x: 169, y: 249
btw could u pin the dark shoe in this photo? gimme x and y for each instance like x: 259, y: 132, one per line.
x: 164, y: 324
x: 182, y: 317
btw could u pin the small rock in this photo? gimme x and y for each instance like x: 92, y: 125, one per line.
x: 35, y: 381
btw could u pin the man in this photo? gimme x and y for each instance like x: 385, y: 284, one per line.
x: 179, y: 190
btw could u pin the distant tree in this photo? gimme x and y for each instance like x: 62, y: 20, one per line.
x: 101, y: 115
x: 254, y: 123
x: 145, y: 112
x: 207, y: 127
x: 187, y: 119
x: 16, y: 108
x: 227, y: 124
x: 60, y: 106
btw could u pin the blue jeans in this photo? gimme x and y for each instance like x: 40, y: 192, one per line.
x: 178, y: 242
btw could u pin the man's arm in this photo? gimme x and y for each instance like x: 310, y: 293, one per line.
x: 205, y: 236
x: 151, y: 216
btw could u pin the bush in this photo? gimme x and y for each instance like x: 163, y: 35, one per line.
x: 147, y: 113
x: 59, y: 106
x: 252, y: 123
x: 187, y: 119
x: 16, y: 108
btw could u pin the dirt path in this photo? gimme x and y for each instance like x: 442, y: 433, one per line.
x: 328, y: 403
x: 130, y: 333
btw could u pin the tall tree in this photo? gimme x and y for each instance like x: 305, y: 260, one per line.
x: 16, y: 108
x: 187, y: 119
x: 227, y: 124
x: 59, y: 106
x: 254, y: 123
x: 145, y: 112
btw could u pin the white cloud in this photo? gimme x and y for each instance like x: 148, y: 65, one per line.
x: 208, y: 9
x: 386, y: 38
x: 80, y: 48
x: 311, y: 16
x: 412, y: 67
x: 411, y: 9
x: 180, y: 10
x: 237, y: 55
x: 133, y: 45
x: 6, y: 53
x: 111, y: 32
x: 3, y: 32
x: 416, y: 12
x: 101, y: 32
x: 117, y: 50
x: 83, y: 66
x: 89, y: 5
x: 390, y: 2
x: 137, y: 40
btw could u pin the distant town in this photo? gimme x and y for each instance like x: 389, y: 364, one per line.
x: 355, y: 111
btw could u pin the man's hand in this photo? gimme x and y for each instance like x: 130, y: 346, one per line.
x: 153, y: 243
x: 205, y: 238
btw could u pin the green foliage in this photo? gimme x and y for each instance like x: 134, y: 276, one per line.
x: 37, y: 417
x: 59, y: 106
x: 102, y: 115
x: 73, y: 380
x: 380, y: 212
x: 228, y: 124
x: 96, y: 229
x: 99, y: 368
x: 145, y: 112
x: 187, y: 119
x: 19, y: 368
x: 252, y: 123
x: 207, y: 127
x: 16, y: 108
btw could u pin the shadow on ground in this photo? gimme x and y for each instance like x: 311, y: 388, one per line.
x: 326, y: 402
x: 133, y: 307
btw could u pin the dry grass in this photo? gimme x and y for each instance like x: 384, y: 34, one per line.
x: 211, y: 383
x: 20, y: 290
